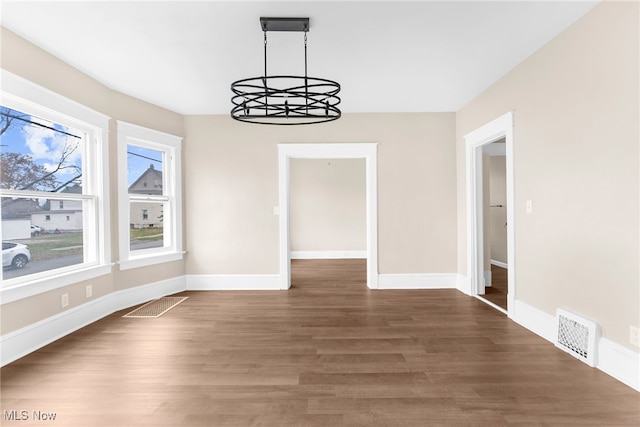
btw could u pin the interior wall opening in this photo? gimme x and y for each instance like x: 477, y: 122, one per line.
x: 328, y: 222
x: 366, y: 152
x: 495, y: 137
x: 494, y: 223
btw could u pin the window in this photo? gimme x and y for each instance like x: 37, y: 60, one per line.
x: 150, y: 208
x: 53, y: 157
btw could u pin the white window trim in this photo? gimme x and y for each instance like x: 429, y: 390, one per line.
x: 22, y: 94
x: 172, y: 176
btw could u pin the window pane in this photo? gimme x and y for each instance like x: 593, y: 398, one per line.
x: 144, y: 170
x: 146, y: 225
x: 45, y: 236
x: 37, y: 154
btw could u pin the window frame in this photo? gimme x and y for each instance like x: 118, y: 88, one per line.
x: 23, y: 95
x: 171, y: 147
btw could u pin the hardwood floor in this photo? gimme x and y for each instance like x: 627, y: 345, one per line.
x: 328, y: 352
x: 497, y: 292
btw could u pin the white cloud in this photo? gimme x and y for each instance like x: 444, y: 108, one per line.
x: 46, y: 146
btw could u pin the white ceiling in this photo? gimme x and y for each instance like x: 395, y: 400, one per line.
x: 388, y: 56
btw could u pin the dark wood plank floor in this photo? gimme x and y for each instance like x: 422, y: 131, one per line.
x: 328, y: 352
x: 497, y: 292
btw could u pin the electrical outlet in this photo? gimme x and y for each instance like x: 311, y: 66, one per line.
x: 88, y: 291
x: 634, y: 335
x: 64, y: 300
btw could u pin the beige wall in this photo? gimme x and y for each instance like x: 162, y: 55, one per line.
x: 232, y: 177
x: 576, y: 109
x: 26, y: 60
x: 328, y: 205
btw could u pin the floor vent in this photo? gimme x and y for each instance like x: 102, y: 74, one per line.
x: 156, y: 308
x: 577, y: 336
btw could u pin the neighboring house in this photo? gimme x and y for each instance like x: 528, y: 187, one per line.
x: 62, y: 215
x: 146, y: 215
x: 17, y: 217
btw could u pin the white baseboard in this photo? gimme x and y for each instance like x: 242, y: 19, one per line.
x: 26, y: 340
x: 619, y: 362
x: 417, y: 281
x: 613, y: 359
x: 233, y: 282
x: 463, y: 285
x: 499, y: 263
x: 537, y: 321
x: 487, y: 279
x: 328, y: 254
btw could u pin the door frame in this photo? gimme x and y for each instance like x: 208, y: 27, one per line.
x: 367, y: 151
x: 501, y: 127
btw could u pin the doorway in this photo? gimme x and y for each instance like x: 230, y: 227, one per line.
x: 479, y: 144
x: 367, y: 151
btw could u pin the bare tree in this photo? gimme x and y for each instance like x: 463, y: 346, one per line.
x: 8, y: 118
x: 19, y: 171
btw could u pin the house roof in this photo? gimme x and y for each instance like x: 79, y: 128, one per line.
x: 19, y: 208
x: 72, y: 189
x: 149, y: 182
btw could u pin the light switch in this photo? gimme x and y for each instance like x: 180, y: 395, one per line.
x: 529, y: 206
x: 276, y: 210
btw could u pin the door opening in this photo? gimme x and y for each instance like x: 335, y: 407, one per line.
x: 367, y: 151
x: 492, y: 140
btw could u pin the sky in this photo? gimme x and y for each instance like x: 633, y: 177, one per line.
x: 45, y: 146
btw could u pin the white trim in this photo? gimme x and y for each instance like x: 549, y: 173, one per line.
x: 26, y: 340
x: 499, y: 264
x: 24, y: 95
x: 614, y: 359
x: 233, y: 282
x: 171, y: 147
x: 463, y: 284
x: 14, y: 86
x: 502, y: 127
x: 328, y: 254
x: 536, y: 320
x: 418, y: 281
x: 368, y: 151
x: 619, y: 362
x: 153, y: 259
x: 492, y: 304
x: 51, y: 282
x: 487, y: 279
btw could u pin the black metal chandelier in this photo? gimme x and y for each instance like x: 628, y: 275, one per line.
x: 285, y: 100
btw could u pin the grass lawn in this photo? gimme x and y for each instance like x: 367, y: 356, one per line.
x: 47, y: 246
x: 145, y: 234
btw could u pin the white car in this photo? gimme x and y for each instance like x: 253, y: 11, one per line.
x: 15, y: 255
x: 36, y: 230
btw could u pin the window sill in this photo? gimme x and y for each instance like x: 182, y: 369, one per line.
x: 144, y: 261
x: 29, y: 288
